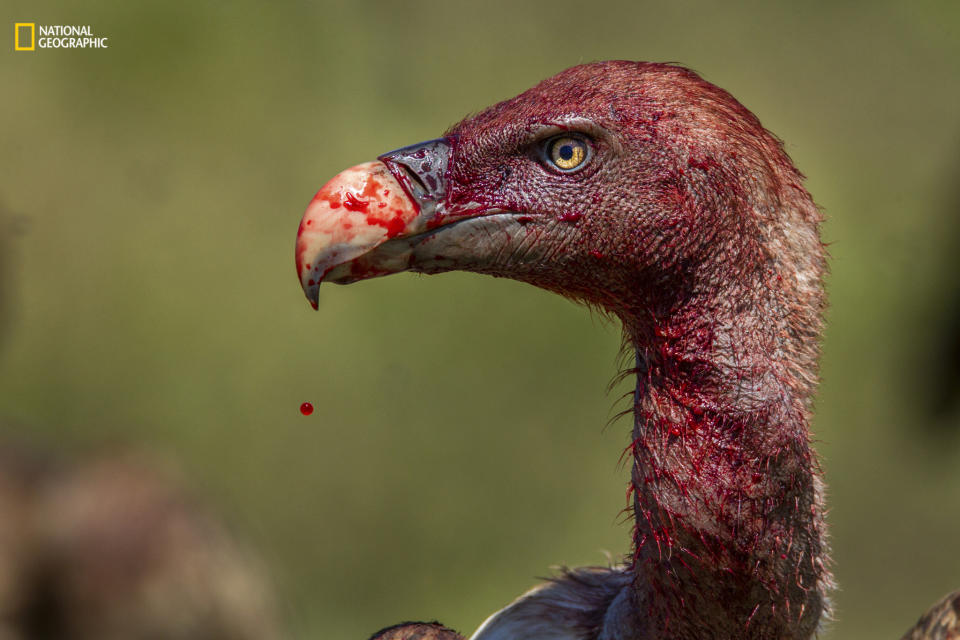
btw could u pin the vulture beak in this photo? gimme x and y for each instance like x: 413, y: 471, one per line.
x: 365, y: 222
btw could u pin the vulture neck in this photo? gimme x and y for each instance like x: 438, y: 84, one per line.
x: 728, y: 536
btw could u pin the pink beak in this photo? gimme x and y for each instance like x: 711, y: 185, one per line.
x: 396, y: 197
x: 357, y: 211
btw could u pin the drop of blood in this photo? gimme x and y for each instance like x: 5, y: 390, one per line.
x: 306, y: 408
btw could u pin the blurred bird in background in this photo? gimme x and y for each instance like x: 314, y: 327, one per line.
x: 936, y: 375
x: 111, y: 546
x: 417, y: 631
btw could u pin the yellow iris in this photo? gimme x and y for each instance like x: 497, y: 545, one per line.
x: 567, y: 153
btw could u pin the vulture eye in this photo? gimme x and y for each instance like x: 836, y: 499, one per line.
x: 567, y: 153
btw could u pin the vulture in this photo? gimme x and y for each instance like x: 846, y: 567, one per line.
x: 643, y: 191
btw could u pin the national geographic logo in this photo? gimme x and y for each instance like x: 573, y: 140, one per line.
x: 24, y: 36
x: 55, y: 36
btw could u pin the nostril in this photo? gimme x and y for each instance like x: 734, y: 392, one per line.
x: 421, y: 168
x: 414, y: 178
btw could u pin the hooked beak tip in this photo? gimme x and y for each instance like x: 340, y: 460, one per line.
x: 309, y: 278
x: 311, y: 288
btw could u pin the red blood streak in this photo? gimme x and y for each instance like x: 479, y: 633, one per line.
x: 703, y: 164
x: 352, y: 203
x: 306, y: 408
x: 596, y: 254
x: 436, y: 221
x: 332, y: 199
x: 524, y: 219
x: 757, y: 477
x: 572, y: 216
x: 394, y: 226
x: 370, y: 188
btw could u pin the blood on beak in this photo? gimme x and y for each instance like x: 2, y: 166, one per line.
x: 358, y: 210
x: 345, y: 234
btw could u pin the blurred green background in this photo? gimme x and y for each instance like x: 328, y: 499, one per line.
x: 458, y: 448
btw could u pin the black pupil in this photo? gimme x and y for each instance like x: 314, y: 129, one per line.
x: 566, y: 151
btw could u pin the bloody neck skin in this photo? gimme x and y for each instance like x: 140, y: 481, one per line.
x: 729, y: 536
x: 729, y: 532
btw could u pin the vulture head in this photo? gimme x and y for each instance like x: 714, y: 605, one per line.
x: 645, y: 191
x: 625, y: 185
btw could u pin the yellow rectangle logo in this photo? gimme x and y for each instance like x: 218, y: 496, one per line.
x: 16, y: 36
